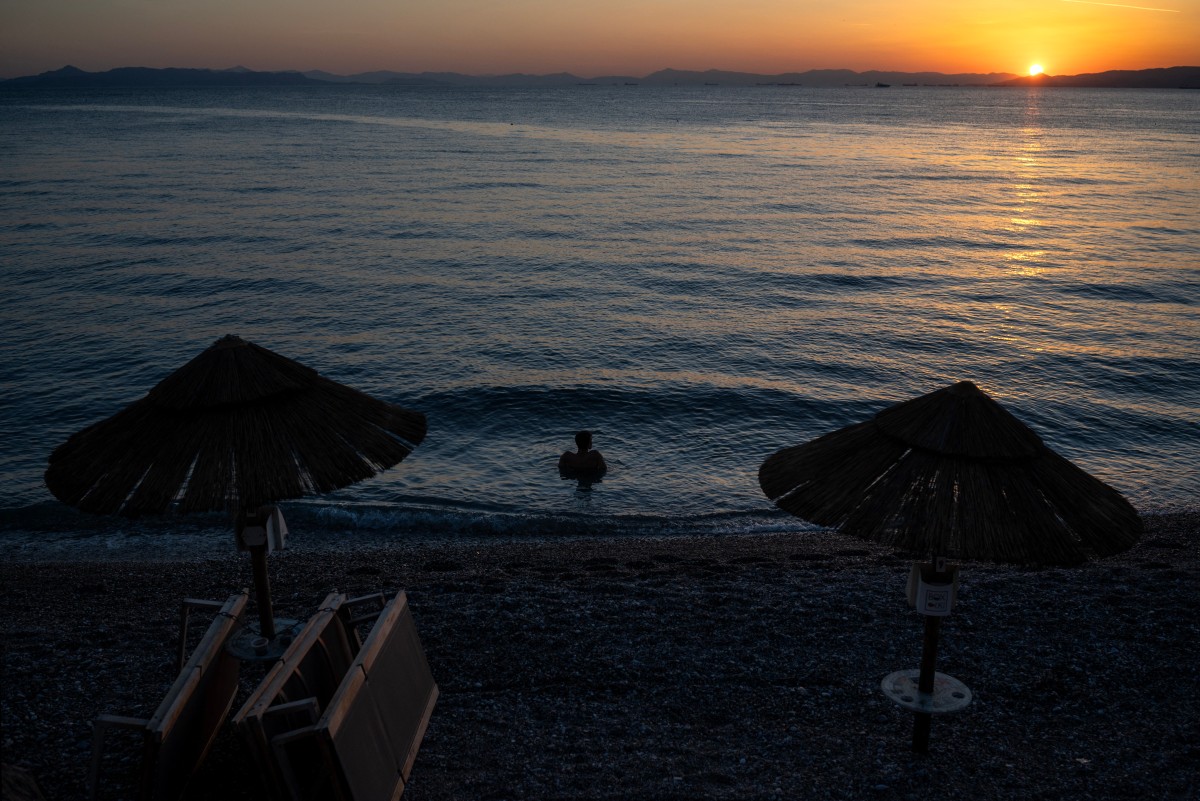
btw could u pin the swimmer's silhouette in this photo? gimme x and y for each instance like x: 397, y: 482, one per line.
x: 586, y: 464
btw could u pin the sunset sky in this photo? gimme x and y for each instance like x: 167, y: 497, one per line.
x: 631, y: 37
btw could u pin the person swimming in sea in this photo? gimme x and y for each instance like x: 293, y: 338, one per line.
x: 586, y: 461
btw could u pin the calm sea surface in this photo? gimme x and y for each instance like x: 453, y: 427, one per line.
x: 700, y: 275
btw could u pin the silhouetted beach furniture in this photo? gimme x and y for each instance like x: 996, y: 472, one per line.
x: 237, y: 428
x: 333, y: 719
x: 298, y: 686
x: 949, y: 474
x: 181, y: 731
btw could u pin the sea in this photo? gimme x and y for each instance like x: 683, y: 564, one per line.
x: 699, y: 275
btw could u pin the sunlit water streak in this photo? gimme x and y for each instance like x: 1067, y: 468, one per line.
x: 700, y: 275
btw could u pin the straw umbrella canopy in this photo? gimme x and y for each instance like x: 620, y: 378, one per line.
x: 237, y: 427
x: 952, y: 473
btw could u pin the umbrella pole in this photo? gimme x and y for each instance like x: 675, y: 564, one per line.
x: 924, y: 720
x: 262, y: 591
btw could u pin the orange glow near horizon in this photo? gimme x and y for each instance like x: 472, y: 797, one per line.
x: 606, y: 37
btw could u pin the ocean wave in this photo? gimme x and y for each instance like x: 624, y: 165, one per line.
x: 1146, y: 293
x: 51, y: 531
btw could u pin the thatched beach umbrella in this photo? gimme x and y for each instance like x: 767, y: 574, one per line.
x: 235, y: 428
x: 951, y: 473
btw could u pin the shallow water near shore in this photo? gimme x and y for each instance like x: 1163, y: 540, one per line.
x: 699, y: 275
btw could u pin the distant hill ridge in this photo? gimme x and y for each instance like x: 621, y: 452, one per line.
x: 70, y: 76
x: 1161, y: 78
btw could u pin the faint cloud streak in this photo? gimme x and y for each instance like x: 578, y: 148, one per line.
x: 1122, y: 5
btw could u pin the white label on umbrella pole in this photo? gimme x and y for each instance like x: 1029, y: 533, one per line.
x: 935, y: 599
x: 931, y: 591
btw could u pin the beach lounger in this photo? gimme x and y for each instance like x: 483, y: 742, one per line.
x: 299, y: 686
x: 178, y: 736
x: 360, y: 743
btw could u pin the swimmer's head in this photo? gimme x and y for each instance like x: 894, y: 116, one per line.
x: 584, y: 440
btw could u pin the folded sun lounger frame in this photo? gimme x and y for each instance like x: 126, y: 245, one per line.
x: 359, y: 742
x: 177, y: 738
x: 298, y: 685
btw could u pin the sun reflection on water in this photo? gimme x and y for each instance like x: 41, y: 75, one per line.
x: 1028, y: 189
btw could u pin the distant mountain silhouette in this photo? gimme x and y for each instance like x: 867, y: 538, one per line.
x: 1164, y: 78
x: 74, y: 77
x: 461, y: 79
x: 70, y: 76
x: 668, y: 77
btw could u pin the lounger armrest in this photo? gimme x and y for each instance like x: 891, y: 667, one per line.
x: 232, y: 608
x: 309, y: 705
x: 378, y: 601
x: 198, y: 603
x: 281, y: 740
x: 120, y: 722
x: 102, y: 724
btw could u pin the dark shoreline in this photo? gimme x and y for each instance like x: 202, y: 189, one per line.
x: 737, y: 666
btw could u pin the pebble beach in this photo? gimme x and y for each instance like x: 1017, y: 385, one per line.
x: 671, y: 667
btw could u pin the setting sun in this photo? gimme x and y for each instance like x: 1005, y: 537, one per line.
x: 1035, y: 69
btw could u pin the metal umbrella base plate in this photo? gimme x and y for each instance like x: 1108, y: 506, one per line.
x: 949, y: 694
x: 250, y: 646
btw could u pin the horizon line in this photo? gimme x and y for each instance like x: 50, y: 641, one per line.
x: 585, y: 77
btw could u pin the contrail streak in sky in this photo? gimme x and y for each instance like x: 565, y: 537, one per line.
x: 1122, y: 5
